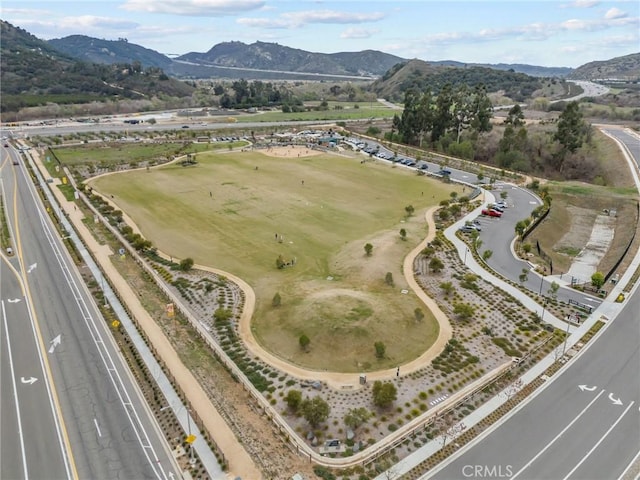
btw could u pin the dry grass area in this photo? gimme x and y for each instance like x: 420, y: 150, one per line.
x: 239, y: 211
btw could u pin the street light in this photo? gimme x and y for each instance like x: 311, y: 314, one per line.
x: 566, y: 336
x: 541, y: 281
x: 466, y: 250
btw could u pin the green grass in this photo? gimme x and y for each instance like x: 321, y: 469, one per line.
x: 225, y: 213
x: 346, y: 113
x: 123, y: 153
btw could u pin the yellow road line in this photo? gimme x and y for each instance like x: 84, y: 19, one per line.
x: 41, y: 345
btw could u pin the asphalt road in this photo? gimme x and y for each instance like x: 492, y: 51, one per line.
x: 109, y: 429
x: 585, y: 425
x: 31, y: 442
x: 569, y: 431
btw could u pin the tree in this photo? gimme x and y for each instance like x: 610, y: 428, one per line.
x: 304, y: 342
x: 572, y: 129
x: 419, y: 314
x: 436, y: 265
x: 222, y: 314
x: 597, y: 279
x: 464, y: 310
x: 276, y: 301
x: 403, y: 234
x: 447, y: 287
x: 521, y: 226
x: 293, y: 400
x: 380, y: 349
x: 486, y: 255
x: 523, y: 275
x: 388, y: 279
x: 368, y: 248
x: 444, y: 214
x: 384, y: 394
x: 482, y: 110
x: 186, y: 264
x: 315, y: 411
x: 515, y: 116
x: 553, y: 290
x: 409, y: 209
x: 356, y: 417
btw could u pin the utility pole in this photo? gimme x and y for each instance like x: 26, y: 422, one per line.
x: 566, y: 336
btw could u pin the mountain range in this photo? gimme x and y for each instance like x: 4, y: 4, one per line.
x: 225, y: 59
x: 80, y: 69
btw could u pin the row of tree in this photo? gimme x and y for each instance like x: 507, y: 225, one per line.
x: 316, y: 410
x: 454, y: 110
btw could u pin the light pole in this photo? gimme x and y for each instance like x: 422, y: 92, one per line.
x: 466, y: 250
x: 541, y: 281
x: 566, y: 336
x: 190, y: 439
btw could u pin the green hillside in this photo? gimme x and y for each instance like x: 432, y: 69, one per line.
x: 34, y: 73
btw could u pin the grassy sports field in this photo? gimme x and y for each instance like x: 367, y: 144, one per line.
x: 239, y: 211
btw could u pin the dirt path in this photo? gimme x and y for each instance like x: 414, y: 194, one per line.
x: 338, y: 380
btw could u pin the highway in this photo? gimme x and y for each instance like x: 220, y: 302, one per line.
x: 92, y: 421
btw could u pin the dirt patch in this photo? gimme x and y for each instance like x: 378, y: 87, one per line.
x: 292, y: 151
x: 564, y: 233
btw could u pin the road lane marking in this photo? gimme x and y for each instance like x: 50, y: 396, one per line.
x: 557, y: 436
x: 629, y: 467
x: 615, y: 401
x: 588, y: 389
x: 15, y: 394
x: 54, y: 343
x: 54, y: 403
x: 97, y: 427
x: 106, y: 357
x: 599, y: 441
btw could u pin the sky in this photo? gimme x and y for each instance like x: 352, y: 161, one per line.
x: 552, y: 33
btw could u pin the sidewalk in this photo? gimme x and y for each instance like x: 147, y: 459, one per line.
x: 240, y: 463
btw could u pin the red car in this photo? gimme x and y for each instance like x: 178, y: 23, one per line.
x: 491, y: 213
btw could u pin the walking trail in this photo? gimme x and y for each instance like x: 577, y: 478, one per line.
x: 240, y: 463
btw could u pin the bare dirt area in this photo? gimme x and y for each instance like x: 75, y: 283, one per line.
x: 292, y: 151
x: 567, y: 229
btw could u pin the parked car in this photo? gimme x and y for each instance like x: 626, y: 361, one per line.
x: 491, y: 213
x: 497, y: 207
x: 467, y: 229
x: 474, y: 225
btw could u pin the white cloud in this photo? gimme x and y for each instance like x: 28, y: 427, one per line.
x: 575, y: 24
x: 300, y: 19
x: 207, y: 8
x: 72, y: 25
x: 358, y: 33
x: 614, y: 13
x: 10, y: 12
x: 584, y: 3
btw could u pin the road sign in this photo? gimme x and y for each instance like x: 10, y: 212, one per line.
x: 190, y: 439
